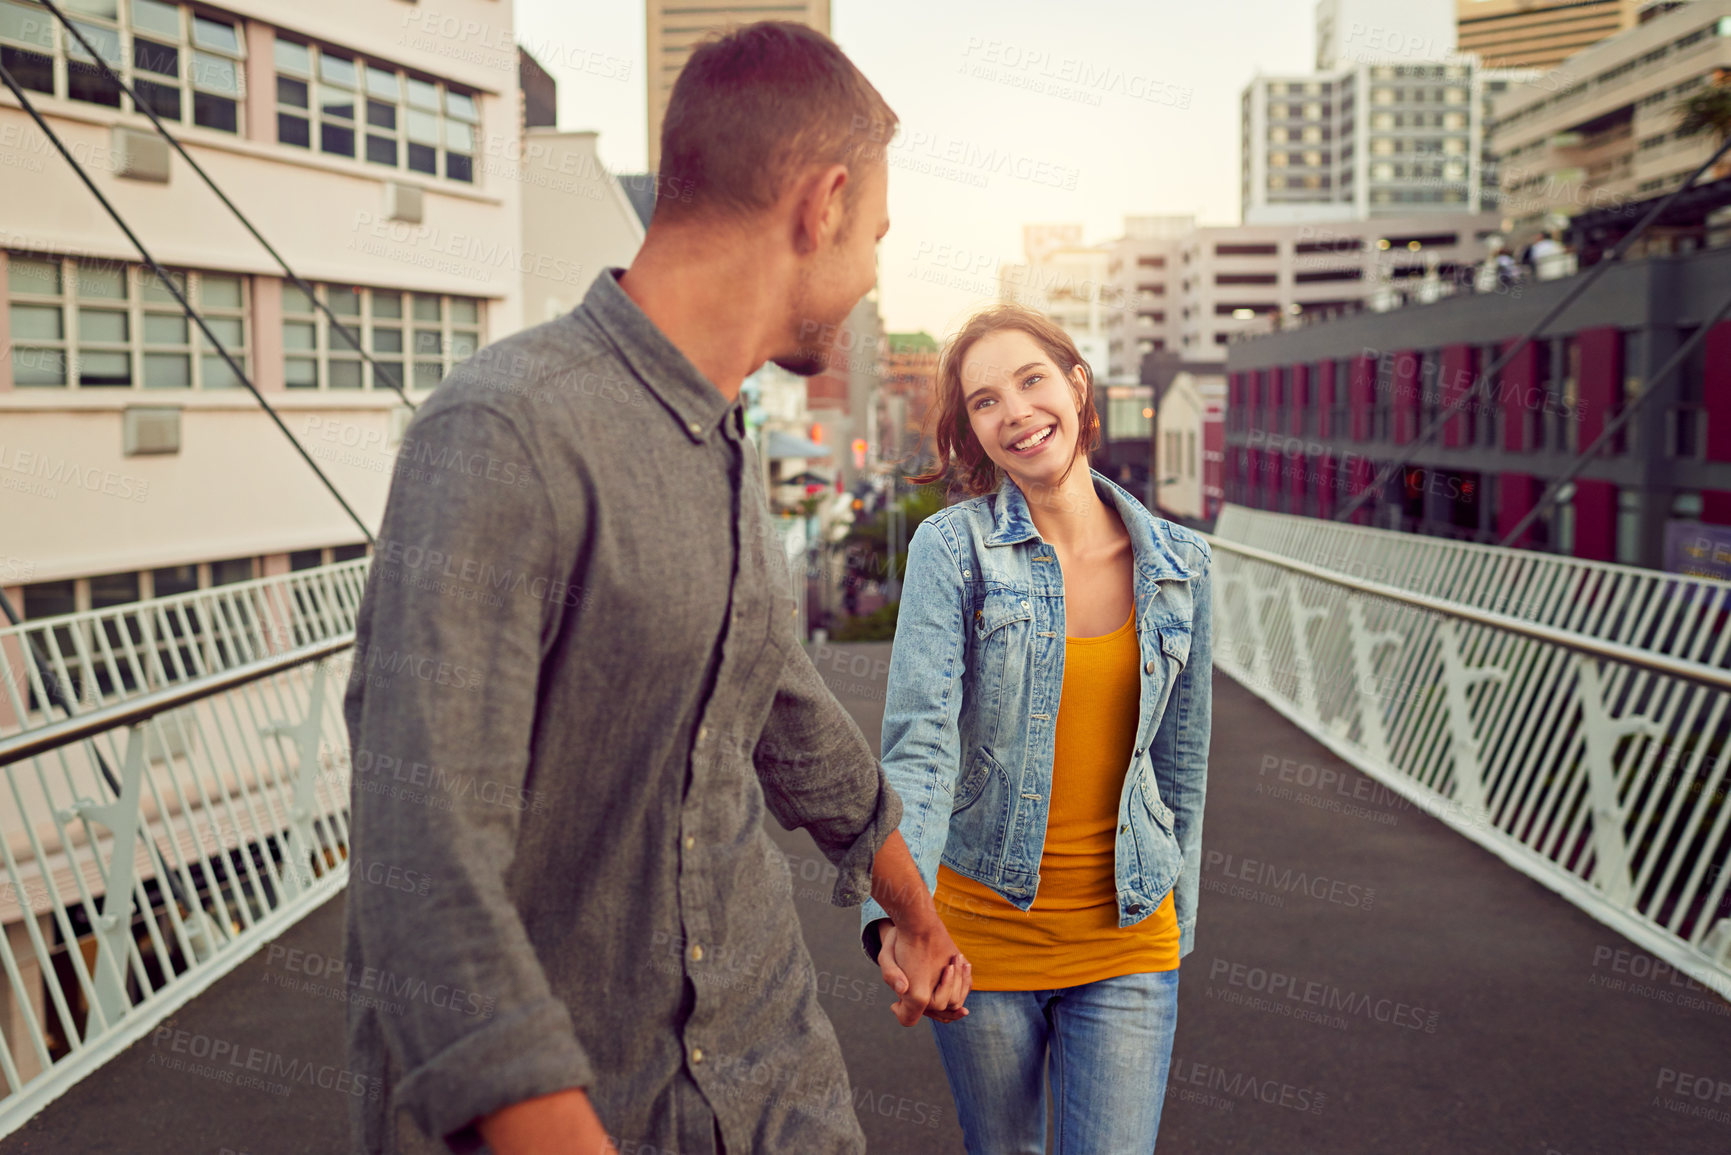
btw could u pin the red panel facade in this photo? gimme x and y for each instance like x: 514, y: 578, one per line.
x: 1600, y: 385
x: 1322, y: 392
x: 1361, y: 398
x: 1595, y: 519
x: 1298, y: 399
x: 1455, y: 379
x: 1518, y: 396
x: 1716, y: 392
x: 1405, y: 399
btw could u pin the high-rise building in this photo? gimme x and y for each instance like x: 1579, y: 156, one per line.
x: 1361, y: 31
x: 676, y: 27
x: 1173, y: 286
x: 1610, y: 132
x: 1539, y: 33
x: 1369, y: 139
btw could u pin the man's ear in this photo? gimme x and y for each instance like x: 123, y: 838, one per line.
x: 821, y: 208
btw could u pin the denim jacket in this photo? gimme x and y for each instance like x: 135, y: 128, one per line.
x: 972, y: 704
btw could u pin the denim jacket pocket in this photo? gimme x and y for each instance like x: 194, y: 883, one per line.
x: 998, y: 608
x: 982, y: 767
x: 1156, y: 806
x: 1156, y: 844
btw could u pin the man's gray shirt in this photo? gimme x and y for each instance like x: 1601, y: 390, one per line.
x: 576, y: 688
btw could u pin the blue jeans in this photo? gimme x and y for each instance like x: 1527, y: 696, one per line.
x: 1110, y: 1044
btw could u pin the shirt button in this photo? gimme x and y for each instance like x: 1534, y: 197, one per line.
x: 1150, y: 666
x: 690, y: 841
x: 703, y: 731
x: 694, y: 427
x: 696, y: 952
x: 697, y: 1052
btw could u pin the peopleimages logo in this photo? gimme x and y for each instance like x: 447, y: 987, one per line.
x: 47, y: 471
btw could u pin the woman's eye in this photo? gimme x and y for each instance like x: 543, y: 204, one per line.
x: 1033, y: 377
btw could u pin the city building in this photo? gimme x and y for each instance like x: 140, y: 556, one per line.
x: 1539, y: 33
x: 1369, y: 139
x: 1314, y: 413
x: 1189, y: 436
x: 577, y: 220
x: 1603, y: 128
x: 910, y: 379
x: 842, y: 400
x: 1359, y: 31
x: 540, y: 92
x: 1142, y: 294
x: 675, y: 27
x: 1066, y: 280
x: 376, y: 146
x: 1173, y: 285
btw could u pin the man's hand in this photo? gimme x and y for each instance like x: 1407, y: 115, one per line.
x: 563, y: 1123
x: 927, y: 972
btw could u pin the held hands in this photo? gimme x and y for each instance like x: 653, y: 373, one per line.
x: 922, y: 965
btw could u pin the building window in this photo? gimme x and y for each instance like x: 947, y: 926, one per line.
x: 187, y: 66
x: 415, y: 338
x: 347, y: 106
x: 95, y: 324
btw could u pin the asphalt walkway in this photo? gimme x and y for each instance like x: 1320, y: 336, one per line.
x: 1364, y: 981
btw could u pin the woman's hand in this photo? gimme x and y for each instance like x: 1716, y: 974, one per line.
x: 929, y: 975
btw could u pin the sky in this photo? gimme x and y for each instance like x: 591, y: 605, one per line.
x: 1012, y: 112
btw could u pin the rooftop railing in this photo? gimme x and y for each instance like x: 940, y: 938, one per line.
x: 175, y: 795
x: 1570, y: 716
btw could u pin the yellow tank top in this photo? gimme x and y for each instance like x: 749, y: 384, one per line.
x: 1071, y: 934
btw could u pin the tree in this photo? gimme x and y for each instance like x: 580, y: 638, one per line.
x: 868, y: 555
x: 1708, y: 110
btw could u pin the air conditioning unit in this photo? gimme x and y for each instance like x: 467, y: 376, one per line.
x: 139, y: 155
x: 149, y: 430
x: 402, y: 202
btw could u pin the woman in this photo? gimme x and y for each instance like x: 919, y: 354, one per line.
x: 1047, y: 729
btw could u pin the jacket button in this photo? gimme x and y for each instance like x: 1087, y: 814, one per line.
x: 1149, y: 667
x: 1134, y: 909
x: 1124, y: 829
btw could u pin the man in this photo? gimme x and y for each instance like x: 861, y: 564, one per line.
x: 570, y: 926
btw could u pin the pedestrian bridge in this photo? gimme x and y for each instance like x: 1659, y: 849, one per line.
x: 1464, y: 882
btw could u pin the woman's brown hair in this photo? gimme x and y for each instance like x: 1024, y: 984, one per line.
x: 962, y: 460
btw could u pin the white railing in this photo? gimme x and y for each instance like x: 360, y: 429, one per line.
x: 175, y: 794
x: 1570, y: 716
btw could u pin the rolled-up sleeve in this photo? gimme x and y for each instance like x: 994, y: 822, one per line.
x: 467, y: 584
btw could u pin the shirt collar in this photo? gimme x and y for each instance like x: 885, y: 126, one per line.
x: 693, y: 400
x: 1012, y: 523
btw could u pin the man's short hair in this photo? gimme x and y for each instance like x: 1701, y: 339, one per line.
x: 755, y: 107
